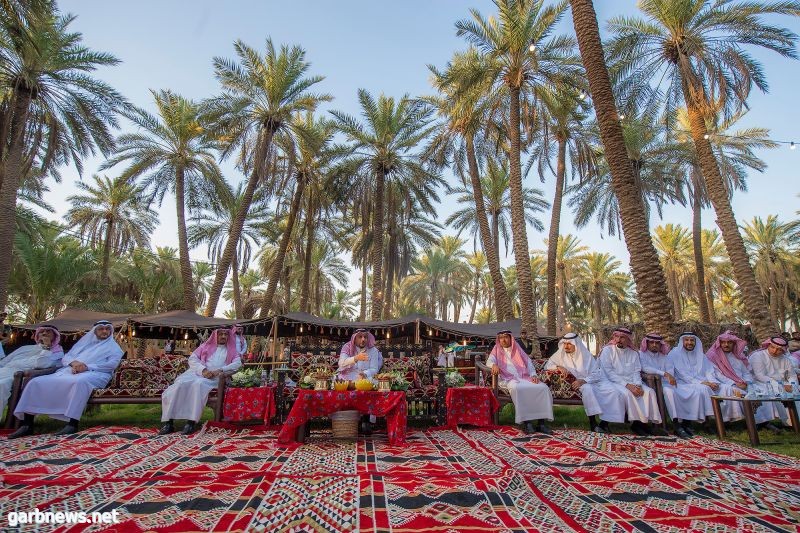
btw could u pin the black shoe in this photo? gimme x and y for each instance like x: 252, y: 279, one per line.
x: 639, y: 428
x: 658, y: 431
x: 541, y: 428
x: 598, y: 429
x: 528, y: 428
x: 69, y: 429
x: 366, y: 428
x: 682, y: 433
x: 22, y: 431
x: 189, y: 428
x: 688, y: 429
x: 773, y: 428
x: 605, y: 427
x: 166, y: 429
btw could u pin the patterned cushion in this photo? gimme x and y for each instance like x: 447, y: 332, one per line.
x: 560, y: 386
x: 143, y: 377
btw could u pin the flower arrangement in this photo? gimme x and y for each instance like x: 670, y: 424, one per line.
x: 454, y: 379
x: 249, y: 377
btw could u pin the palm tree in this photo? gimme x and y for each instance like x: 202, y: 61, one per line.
x: 203, y: 276
x: 112, y: 214
x: 432, y: 282
x: 479, y: 265
x: 172, y: 152
x: 383, y: 150
x: 646, y: 270
x: 735, y: 153
x: 341, y: 307
x: 516, y: 75
x: 212, y: 227
x: 568, y: 252
x: 52, y: 111
x: 259, y: 98
x: 599, y: 278
x: 717, y: 270
x: 563, y: 131
x: 698, y: 48
x: 773, y: 245
x: 463, y: 113
x: 310, y: 154
x: 672, y: 242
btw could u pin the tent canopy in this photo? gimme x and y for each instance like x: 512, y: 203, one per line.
x: 73, y: 320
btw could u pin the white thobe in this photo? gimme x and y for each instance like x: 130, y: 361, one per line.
x: 187, y: 396
x: 691, y: 370
x: 532, y: 401
x: 349, y: 368
x: 241, y: 345
x: 63, y: 395
x: 769, y: 369
x: 622, y: 367
x: 682, y: 401
x: 598, y: 394
x: 734, y: 410
x: 24, y: 358
x: 446, y: 359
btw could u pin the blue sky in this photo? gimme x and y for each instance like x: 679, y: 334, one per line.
x: 383, y: 47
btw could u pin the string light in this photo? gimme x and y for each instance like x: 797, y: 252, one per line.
x: 583, y: 95
x: 532, y: 47
x: 791, y: 144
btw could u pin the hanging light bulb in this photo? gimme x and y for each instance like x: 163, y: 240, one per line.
x: 532, y: 47
x: 583, y: 95
x: 621, y: 116
x: 133, y: 333
x: 792, y: 146
x: 706, y: 136
x: 186, y: 336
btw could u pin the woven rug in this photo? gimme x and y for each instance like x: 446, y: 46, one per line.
x: 440, y: 480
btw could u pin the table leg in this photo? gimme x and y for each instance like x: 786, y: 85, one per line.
x: 750, y: 420
x: 718, y: 418
x: 302, y: 432
x: 795, y: 420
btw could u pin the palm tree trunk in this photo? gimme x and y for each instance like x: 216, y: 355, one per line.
x: 645, y: 266
x: 489, y: 245
x: 390, y: 274
x: 277, y: 266
x: 305, y: 289
x: 562, y: 296
x: 377, y: 246
x: 522, y: 257
x: 11, y: 172
x: 752, y: 298
x: 676, y: 296
x: 107, y: 250
x: 475, y: 293
x: 363, y: 313
x: 189, y: 300
x: 697, y: 244
x: 262, y: 149
x: 552, y: 239
x: 237, y: 291
x: 712, y: 314
x: 598, y: 317
x: 287, y: 290
x: 318, y: 292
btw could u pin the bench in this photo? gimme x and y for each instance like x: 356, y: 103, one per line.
x: 560, y: 387
x: 135, y: 381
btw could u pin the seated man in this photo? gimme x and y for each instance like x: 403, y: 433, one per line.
x: 445, y: 359
x: 241, y: 341
x: 45, y: 353
x: 359, y: 357
x: 187, y: 396
x: 599, y: 397
x: 773, y: 370
x: 683, y: 402
x: 621, y: 364
x: 533, y: 401
x: 693, y: 371
x: 63, y: 395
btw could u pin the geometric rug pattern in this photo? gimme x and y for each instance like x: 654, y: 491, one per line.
x: 439, y: 480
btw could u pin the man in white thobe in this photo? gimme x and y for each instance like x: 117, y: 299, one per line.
x: 598, y: 395
x: 773, y: 371
x: 733, y: 370
x: 241, y: 341
x: 45, y: 353
x: 187, y: 396
x: 360, y: 359
x: 684, y: 403
x: 693, y: 371
x: 63, y: 394
x: 621, y: 364
x: 533, y: 401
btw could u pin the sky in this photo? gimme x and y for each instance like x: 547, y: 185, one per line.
x: 383, y: 47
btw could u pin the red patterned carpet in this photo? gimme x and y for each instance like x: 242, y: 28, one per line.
x: 440, y: 481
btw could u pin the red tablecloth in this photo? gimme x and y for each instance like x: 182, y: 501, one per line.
x: 470, y: 405
x: 248, y: 404
x: 311, y: 403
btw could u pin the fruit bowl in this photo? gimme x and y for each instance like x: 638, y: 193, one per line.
x: 364, y: 385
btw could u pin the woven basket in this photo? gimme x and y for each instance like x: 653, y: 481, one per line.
x: 345, y: 424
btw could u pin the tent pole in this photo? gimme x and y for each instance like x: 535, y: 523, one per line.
x: 416, y: 332
x: 274, y: 339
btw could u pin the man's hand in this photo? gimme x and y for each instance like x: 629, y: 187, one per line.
x: 362, y: 375
x: 635, y: 389
x: 670, y: 378
x: 742, y: 385
x: 563, y: 370
x: 577, y: 384
x: 362, y: 357
x: 495, y: 370
x: 534, y: 379
x: 78, y: 367
x: 711, y: 385
x: 787, y: 388
x: 210, y: 373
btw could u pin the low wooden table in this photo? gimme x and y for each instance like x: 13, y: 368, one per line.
x: 750, y: 416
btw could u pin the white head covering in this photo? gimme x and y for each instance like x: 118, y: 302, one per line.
x: 697, y: 353
x: 89, y: 346
x: 573, y: 338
